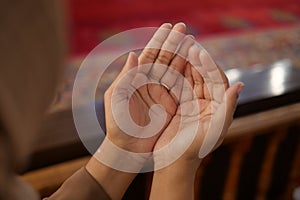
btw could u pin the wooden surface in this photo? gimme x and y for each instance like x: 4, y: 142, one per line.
x: 261, y: 122
x: 241, y: 133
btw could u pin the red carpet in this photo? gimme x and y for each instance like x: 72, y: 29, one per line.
x: 93, y: 21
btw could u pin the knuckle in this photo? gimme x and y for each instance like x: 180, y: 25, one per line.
x: 148, y: 56
x: 172, y: 43
x: 163, y: 58
x: 176, y: 67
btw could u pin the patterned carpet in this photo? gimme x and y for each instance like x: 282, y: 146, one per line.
x: 93, y: 21
x: 254, y: 48
x: 243, y: 49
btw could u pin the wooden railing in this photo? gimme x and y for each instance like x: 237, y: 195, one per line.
x: 260, y: 159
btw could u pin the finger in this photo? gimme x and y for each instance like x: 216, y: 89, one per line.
x: 132, y: 61
x: 198, y: 84
x: 188, y: 74
x: 167, y: 51
x: 178, y: 63
x: 200, y: 76
x: 176, y: 90
x: 180, y: 58
x: 150, y: 52
x: 231, y: 98
x: 221, y: 120
x: 214, y: 71
x: 217, y: 80
x: 194, y: 59
x: 187, y: 89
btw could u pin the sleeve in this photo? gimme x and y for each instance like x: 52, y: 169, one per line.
x: 80, y: 186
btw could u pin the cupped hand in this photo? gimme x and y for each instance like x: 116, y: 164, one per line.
x: 137, y: 106
x: 205, y: 112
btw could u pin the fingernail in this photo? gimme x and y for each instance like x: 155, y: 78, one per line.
x: 131, y: 53
x: 191, y: 36
x: 166, y: 25
x: 182, y: 24
x: 240, y: 88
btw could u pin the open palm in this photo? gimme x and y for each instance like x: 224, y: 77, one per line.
x: 138, y: 107
x: 205, y: 113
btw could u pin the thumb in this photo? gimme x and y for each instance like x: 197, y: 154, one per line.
x: 232, y: 95
x: 132, y: 61
x: 230, y: 102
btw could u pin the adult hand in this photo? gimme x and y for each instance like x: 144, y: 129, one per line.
x: 204, y: 116
x: 208, y: 107
x: 139, y: 91
x: 136, y: 94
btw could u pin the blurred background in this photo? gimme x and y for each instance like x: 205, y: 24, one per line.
x: 238, y: 34
x: 93, y: 21
x: 257, y: 42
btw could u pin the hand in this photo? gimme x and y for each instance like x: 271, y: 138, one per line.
x: 207, y: 111
x: 208, y: 107
x: 158, y: 64
x: 138, y: 89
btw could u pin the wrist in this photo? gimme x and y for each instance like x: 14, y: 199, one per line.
x: 175, y: 181
x: 181, y: 164
x: 114, y: 182
x: 185, y: 167
x: 120, y: 159
x: 114, y: 168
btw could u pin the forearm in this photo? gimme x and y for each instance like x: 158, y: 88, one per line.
x: 114, y: 168
x: 114, y: 182
x: 174, y: 182
x: 81, y: 185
